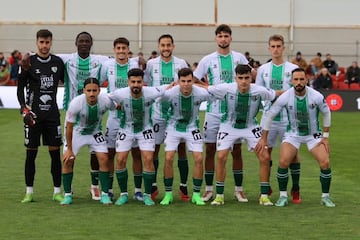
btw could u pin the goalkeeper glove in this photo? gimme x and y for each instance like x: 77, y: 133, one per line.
x: 28, y: 117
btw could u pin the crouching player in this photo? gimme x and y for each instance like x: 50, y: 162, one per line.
x: 83, y: 127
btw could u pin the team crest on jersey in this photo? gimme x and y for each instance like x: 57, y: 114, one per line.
x: 215, y: 66
x: 197, y: 103
x: 37, y: 71
x: 232, y: 97
x: 54, y: 69
x: 266, y: 75
x: 147, y: 104
x: 254, y: 98
x: 95, y: 65
x: 111, y: 72
x: 287, y: 74
x: 312, y: 106
x: 291, y: 108
x: 156, y: 71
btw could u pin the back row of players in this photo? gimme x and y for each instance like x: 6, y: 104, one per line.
x: 230, y: 119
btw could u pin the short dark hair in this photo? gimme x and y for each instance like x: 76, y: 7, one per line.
x: 242, y: 69
x: 185, y: 72
x: 135, y: 72
x: 91, y: 80
x: 298, y: 70
x: 223, y: 28
x: 166, y: 36
x: 121, y: 40
x: 43, y: 33
x: 85, y: 33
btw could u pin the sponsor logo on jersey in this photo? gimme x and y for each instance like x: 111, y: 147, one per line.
x: 45, y: 98
x: 46, y: 81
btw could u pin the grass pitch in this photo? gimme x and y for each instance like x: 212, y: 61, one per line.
x: 87, y: 219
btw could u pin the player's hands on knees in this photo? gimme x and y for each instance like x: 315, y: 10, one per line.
x: 325, y: 142
x: 68, y: 156
x: 261, y: 145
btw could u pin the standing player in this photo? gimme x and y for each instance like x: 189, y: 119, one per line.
x: 276, y: 75
x: 183, y: 124
x: 159, y: 71
x: 116, y: 73
x: 219, y: 67
x: 40, y: 111
x: 243, y: 102
x: 303, y: 105
x: 83, y: 127
x: 136, y: 126
x: 80, y: 66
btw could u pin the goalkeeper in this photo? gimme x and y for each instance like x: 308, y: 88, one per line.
x: 40, y: 111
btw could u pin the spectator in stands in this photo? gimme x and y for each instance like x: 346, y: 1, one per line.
x: 2, y: 59
x: 250, y: 59
x: 141, y: 60
x: 15, y: 57
x: 4, y: 74
x: 154, y: 54
x: 14, y: 61
x: 256, y: 65
x: 353, y: 74
x: 330, y: 64
x: 130, y: 54
x: 300, y: 61
x: 323, y: 81
x: 316, y: 64
x: 194, y: 66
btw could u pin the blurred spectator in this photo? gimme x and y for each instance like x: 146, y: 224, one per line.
x: 323, y: 81
x: 257, y: 64
x: 330, y: 64
x: 316, y: 64
x: 4, y: 74
x: 300, y: 61
x: 250, y: 59
x: 353, y: 74
x: 14, y: 61
x: 154, y: 54
x: 15, y: 57
x: 194, y: 66
x: 2, y: 59
x: 130, y: 54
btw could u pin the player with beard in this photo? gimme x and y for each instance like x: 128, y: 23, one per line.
x: 219, y: 67
x: 303, y: 105
x: 136, y: 126
x: 116, y: 70
x: 40, y: 111
x: 83, y: 127
x: 159, y: 71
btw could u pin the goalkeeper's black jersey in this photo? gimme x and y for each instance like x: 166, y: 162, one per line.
x: 41, y: 82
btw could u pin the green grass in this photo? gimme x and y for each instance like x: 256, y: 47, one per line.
x: 87, y: 219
